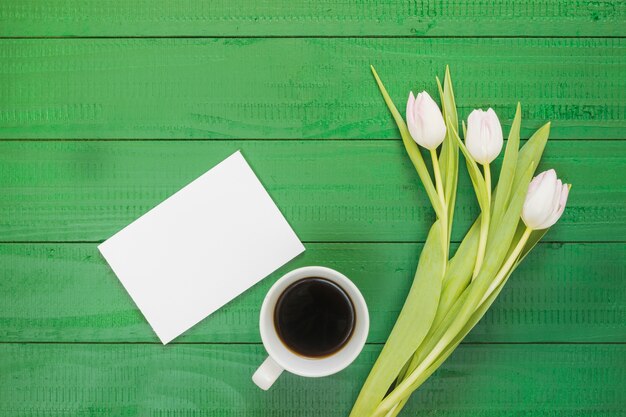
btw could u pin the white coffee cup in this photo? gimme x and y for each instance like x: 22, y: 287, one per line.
x: 281, y: 358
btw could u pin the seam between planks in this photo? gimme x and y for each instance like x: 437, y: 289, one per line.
x: 319, y: 37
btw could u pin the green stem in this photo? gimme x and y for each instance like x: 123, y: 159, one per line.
x: 438, y: 181
x: 484, y: 224
x: 395, y: 410
x: 443, y: 216
x: 488, y: 181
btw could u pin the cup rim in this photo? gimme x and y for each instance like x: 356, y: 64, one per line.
x: 327, y: 365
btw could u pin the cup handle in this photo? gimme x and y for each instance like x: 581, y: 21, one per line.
x: 267, y: 374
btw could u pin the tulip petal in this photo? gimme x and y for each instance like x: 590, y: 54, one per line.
x: 425, y: 121
x: 473, y: 135
x: 538, y: 206
x: 484, y: 135
x: 410, y: 118
x: 409, y: 107
x: 484, y: 141
x: 496, y: 140
x: 554, y: 207
x: 535, y: 182
x: 560, y: 207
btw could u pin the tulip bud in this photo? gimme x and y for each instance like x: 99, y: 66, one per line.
x: 545, y: 201
x: 484, y: 136
x: 425, y: 121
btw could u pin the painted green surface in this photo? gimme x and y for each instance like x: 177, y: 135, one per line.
x: 299, y: 88
x: 213, y: 380
x: 328, y: 190
x: 311, y: 18
x: 66, y: 293
x: 82, y: 153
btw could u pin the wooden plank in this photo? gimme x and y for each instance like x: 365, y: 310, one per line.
x: 214, y: 380
x: 67, y: 293
x: 305, y: 18
x: 339, y: 191
x: 299, y: 88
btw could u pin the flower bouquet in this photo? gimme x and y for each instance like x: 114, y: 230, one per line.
x: 450, y: 295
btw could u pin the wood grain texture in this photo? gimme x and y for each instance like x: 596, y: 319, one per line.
x: 339, y: 191
x: 306, y: 18
x: 299, y: 88
x: 95, y: 134
x: 67, y: 293
x: 214, y: 380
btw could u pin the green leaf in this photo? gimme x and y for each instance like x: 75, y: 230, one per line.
x: 480, y: 188
x: 500, y: 240
x: 499, y: 246
x: 457, y: 277
x: 535, y: 237
x: 421, y: 355
x: 531, y: 152
x: 411, y: 148
x: 507, y: 172
x: 459, y: 271
x: 443, y: 154
x: 411, y: 327
x: 450, y: 103
x: 452, y: 154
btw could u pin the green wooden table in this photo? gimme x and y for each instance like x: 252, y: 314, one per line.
x: 108, y: 107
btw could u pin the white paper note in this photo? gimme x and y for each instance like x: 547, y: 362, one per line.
x: 201, y: 247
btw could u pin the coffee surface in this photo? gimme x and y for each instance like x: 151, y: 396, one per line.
x: 314, y: 317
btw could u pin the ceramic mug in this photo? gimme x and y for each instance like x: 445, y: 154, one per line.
x: 281, y: 358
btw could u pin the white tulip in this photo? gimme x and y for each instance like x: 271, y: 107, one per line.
x: 484, y: 136
x: 425, y: 121
x: 545, y: 201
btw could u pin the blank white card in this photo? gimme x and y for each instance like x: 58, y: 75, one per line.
x: 201, y: 247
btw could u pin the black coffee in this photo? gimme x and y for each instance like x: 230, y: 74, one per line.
x: 314, y: 317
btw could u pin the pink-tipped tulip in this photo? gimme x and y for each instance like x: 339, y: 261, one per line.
x: 425, y: 121
x: 484, y: 136
x: 545, y: 201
